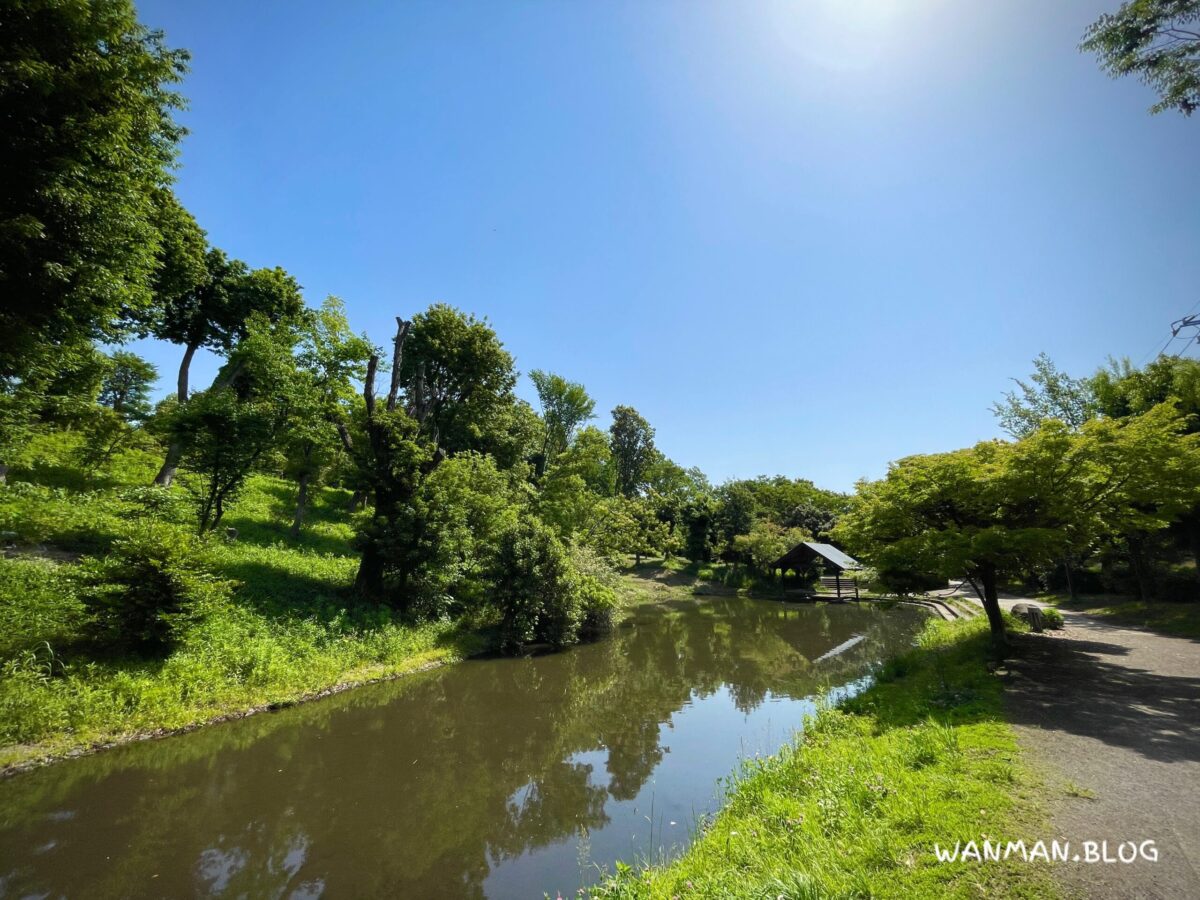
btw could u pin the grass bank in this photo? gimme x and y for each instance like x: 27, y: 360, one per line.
x: 1178, y: 619
x: 291, y: 631
x: 854, y: 807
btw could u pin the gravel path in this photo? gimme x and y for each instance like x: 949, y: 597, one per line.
x: 1114, y: 714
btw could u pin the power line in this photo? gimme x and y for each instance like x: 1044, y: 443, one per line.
x: 1180, y: 325
x: 1189, y: 320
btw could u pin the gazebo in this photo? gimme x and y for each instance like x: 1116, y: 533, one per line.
x: 808, y: 553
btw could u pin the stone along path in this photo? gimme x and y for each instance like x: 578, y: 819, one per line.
x: 1111, y: 716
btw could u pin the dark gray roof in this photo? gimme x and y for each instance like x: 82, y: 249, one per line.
x: 834, y: 555
x: 803, y: 553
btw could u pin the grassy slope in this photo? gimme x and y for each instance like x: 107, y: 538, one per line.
x: 288, y: 635
x: 1179, y: 619
x: 856, y: 805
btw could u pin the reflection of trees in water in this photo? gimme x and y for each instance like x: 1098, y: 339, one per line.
x: 417, y: 788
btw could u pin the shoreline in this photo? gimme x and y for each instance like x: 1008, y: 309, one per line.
x: 48, y: 758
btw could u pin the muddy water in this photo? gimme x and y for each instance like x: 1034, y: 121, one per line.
x: 497, y: 777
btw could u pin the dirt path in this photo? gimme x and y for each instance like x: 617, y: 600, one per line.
x: 1113, y: 714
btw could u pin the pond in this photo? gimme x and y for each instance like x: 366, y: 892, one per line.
x: 494, y: 777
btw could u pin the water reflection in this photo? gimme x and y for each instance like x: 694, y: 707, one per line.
x: 491, y: 778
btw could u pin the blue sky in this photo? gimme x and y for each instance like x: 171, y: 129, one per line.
x: 801, y: 238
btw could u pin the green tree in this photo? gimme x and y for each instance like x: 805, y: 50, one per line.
x: 87, y: 102
x: 127, y: 385
x: 565, y: 406
x: 1121, y: 391
x: 457, y: 378
x: 766, y: 542
x: 1156, y: 40
x: 225, y: 432
x: 737, y: 508
x: 215, y: 314
x: 450, y: 376
x: 331, y: 359
x: 1049, y: 394
x: 463, y: 507
x: 817, y: 521
x: 632, y: 442
x: 997, y: 509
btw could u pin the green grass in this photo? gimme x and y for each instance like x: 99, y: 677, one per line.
x: 854, y: 807
x: 1179, y: 619
x: 291, y: 631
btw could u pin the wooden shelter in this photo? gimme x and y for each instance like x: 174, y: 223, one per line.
x: 808, y: 554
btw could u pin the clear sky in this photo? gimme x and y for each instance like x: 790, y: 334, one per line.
x: 801, y: 238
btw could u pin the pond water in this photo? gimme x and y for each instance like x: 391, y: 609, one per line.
x: 494, y: 777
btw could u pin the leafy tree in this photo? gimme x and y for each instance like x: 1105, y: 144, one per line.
x: 331, y: 359
x: 465, y: 505
x: 766, y: 542
x: 1049, y: 394
x: 1123, y: 390
x: 225, y: 432
x: 127, y: 384
x: 815, y: 520
x: 997, y: 509
x: 565, y: 406
x: 737, y: 508
x: 457, y: 377
x: 632, y: 441
x: 449, y: 374
x: 698, y: 523
x: 87, y: 99
x: 215, y: 314
x: 1156, y: 40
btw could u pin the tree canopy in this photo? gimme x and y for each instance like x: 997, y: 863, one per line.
x: 995, y: 509
x: 1159, y: 42
x: 87, y: 97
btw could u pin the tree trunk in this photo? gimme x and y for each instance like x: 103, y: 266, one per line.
x: 991, y: 602
x: 1141, y: 567
x: 171, y: 464
x: 301, y: 504
x: 368, y: 583
x: 1070, y: 581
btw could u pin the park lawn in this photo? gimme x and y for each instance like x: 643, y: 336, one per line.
x: 854, y: 806
x: 1178, y: 619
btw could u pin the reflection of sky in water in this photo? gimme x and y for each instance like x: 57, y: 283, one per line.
x: 701, y: 745
x: 503, y: 778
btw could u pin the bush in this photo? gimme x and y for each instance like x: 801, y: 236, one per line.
x: 151, y: 586
x: 536, y: 588
x: 1052, y: 618
x: 598, y: 582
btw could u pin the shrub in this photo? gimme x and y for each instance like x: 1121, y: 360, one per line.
x: 536, y: 588
x: 598, y: 582
x: 151, y: 586
x: 1052, y: 618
